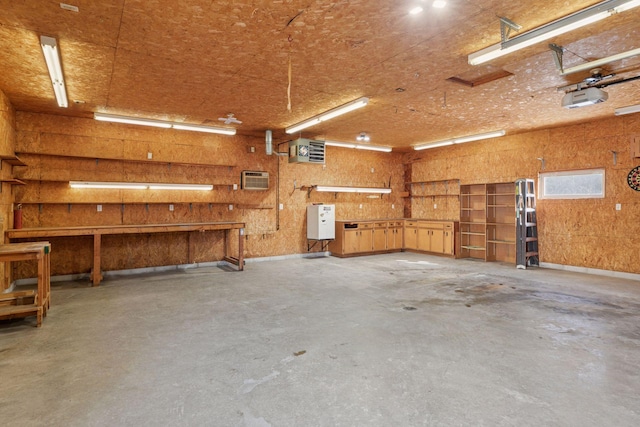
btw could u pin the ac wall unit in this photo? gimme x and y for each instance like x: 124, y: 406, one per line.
x: 304, y: 150
x: 252, y: 180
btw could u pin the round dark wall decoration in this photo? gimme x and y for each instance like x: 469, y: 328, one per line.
x: 633, y: 179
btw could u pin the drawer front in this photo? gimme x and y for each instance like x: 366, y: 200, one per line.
x: 448, y: 226
x: 381, y: 225
x: 432, y: 225
x: 411, y: 223
x: 365, y: 225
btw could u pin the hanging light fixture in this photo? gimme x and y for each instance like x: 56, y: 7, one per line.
x: 52, y: 58
x: 571, y: 22
x: 460, y: 140
x: 335, y: 112
x: 162, y: 124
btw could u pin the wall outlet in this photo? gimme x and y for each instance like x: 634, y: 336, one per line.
x: 170, y: 208
x: 230, y: 207
x: 281, y: 206
x: 618, y: 206
x: 149, y: 155
x: 435, y: 206
x: 372, y: 170
x: 235, y: 186
x: 99, y: 208
x: 360, y: 205
x: 393, y: 206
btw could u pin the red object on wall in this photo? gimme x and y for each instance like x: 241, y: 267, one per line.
x: 17, y: 218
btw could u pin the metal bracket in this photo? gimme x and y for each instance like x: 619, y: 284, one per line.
x: 615, y: 157
x: 557, y: 52
x: 542, y: 163
x: 324, y: 244
x: 506, y: 25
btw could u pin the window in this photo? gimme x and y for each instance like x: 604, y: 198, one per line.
x: 580, y: 184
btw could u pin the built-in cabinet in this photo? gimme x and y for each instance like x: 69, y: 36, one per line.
x: 366, y: 237
x: 487, y: 222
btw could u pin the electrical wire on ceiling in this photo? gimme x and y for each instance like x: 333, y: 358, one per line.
x: 290, y: 39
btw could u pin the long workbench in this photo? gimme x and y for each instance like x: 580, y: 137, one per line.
x: 98, y: 231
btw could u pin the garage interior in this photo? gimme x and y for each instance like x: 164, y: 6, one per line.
x: 185, y: 289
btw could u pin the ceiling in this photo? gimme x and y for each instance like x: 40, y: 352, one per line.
x: 198, y: 60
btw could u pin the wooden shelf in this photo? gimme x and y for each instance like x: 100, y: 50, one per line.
x: 474, y: 248
x: 156, y: 162
x: 13, y: 181
x: 501, y: 242
x: 12, y: 160
x: 252, y: 206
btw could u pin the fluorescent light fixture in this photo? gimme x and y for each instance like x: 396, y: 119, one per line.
x: 460, y: 140
x: 479, y: 136
x: 332, y: 189
x: 373, y: 147
x: 111, y: 185
x: 600, y: 62
x: 335, y: 112
x: 197, y: 187
x: 433, y: 144
x: 439, y: 4
x: 162, y: 124
x: 568, y: 23
x: 207, y: 129
x: 138, y: 186
x: 627, y: 110
x: 340, y: 144
x: 359, y: 146
x: 131, y: 120
x: 52, y: 58
x: 416, y: 10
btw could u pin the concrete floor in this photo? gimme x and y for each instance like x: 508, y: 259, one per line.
x: 390, y: 340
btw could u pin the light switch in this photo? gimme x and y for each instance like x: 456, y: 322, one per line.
x: 171, y: 208
x: 230, y: 207
x: 99, y: 208
x: 618, y: 206
x: 149, y: 155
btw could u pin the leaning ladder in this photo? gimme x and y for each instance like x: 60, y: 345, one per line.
x: 526, y: 224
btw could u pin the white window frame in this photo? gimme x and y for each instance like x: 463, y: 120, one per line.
x: 543, y: 175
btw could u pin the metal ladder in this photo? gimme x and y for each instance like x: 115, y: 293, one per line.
x: 526, y: 225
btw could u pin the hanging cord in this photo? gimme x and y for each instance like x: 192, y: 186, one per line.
x: 289, y: 86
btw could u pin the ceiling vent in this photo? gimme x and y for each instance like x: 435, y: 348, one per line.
x: 255, y: 180
x: 304, y: 150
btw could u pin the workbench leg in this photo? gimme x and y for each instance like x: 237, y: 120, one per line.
x: 241, y: 249
x: 41, y: 287
x: 96, y: 274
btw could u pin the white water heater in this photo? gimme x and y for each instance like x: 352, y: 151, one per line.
x: 321, y: 222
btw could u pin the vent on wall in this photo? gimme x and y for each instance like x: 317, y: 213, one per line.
x: 304, y: 150
x: 255, y: 180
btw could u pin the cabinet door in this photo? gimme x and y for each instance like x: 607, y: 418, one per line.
x: 365, y: 239
x: 437, y: 241
x: 411, y: 238
x: 394, y: 238
x: 351, y: 241
x: 379, y: 239
x: 448, y: 242
x: 424, y: 239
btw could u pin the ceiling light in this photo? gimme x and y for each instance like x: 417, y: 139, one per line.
x: 359, y: 146
x: 335, y: 112
x: 207, y: 129
x: 439, y: 4
x: 363, y: 137
x: 627, y: 110
x: 479, y: 136
x: 131, y: 120
x: 332, y: 189
x: 111, y: 185
x: 162, y: 124
x: 433, y: 144
x: 52, y: 58
x: 460, y: 140
x: 138, y: 186
x: 568, y: 23
x: 200, y: 187
x: 416, y: 10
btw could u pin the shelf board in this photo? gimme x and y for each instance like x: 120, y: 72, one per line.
x: 253, y: 206
x: 473, y: 248
x: 12, y: 160
x: 502, y: 242
x: 153, y: 162
x: 13, y: 181
x: 473, y: 222
x: 502, y: 206
x: 501, y: 194
x: 471, y: 233
x: 508, y: 224
x: 434, y: 195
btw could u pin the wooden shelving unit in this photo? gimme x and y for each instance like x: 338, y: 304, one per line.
x: 433, y: 189
x: 487, y: 221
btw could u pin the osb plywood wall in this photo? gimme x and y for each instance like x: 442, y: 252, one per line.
x: 59, y: 149
x: 7, y: 142
x: 585, y: 232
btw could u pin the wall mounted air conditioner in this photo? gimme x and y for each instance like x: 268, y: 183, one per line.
x: 252, y: 180
x: 304, y: 150
x: 584, y: 97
